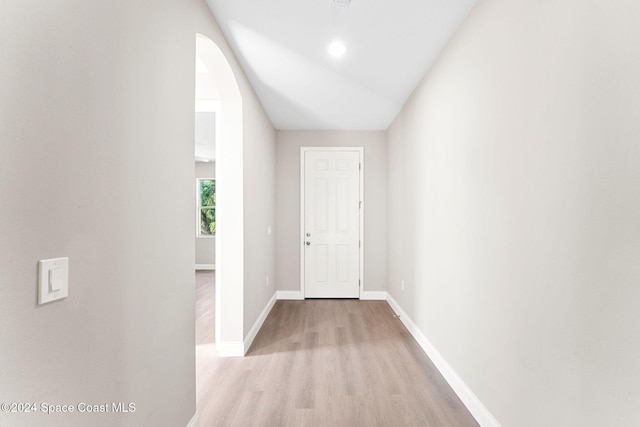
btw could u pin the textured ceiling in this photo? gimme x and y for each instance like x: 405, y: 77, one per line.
x: 283, y: 47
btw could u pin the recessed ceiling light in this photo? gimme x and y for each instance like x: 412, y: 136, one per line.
x: 337, y: 49
x: 342, y: 3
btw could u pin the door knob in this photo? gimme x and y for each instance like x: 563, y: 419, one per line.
x: 308, y: 243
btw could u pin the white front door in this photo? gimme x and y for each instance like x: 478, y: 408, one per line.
x: 331, y: 223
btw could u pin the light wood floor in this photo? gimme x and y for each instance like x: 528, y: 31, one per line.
x: 327, y: 363
x: 205, y: 306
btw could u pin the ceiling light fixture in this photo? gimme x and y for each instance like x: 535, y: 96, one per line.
x: 342, y: 3
x: 337, y: 49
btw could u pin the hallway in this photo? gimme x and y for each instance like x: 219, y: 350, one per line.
x: 327, y: 363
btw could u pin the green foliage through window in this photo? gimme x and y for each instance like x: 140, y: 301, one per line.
x: 207, y: 206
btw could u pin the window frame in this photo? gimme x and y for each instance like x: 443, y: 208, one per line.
x: 199, y: 208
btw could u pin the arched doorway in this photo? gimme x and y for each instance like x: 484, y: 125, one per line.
x: 220, y: 88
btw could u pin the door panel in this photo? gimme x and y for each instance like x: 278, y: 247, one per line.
x: 331, y: 224
x: 321, y: 262
x: 321, y: 205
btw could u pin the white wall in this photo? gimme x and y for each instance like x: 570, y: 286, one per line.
x: 96, y: 100
x: 514, y: 201
x: 205, y: 246
x: 259, y: 208
x: 288, y: 202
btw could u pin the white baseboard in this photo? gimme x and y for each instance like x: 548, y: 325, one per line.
x: 258, y: 323
x: 230, y: 348
x: 195, y: 421
x: 374, y: 295
x: 205, y: 266
x: 470, y: 400
x: 366, y: 295
x: 296, y: 295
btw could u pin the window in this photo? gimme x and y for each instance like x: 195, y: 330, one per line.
x: 206, y: 207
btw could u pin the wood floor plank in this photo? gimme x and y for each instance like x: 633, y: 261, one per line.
x: 328, y: 363
x: 205, y: 307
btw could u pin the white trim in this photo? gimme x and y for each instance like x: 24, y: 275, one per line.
x: 239, y: 349
x: 208, y: 106
x: 362, y: 207
x: 258, y: 323
x: 301, y: 236
x: 195, y: 420
x: 205, y: 266
x: 290, y: 295
x: 230, y: 348
x: 360, y: 151
x: 468, y: 398
x: 373, y: 295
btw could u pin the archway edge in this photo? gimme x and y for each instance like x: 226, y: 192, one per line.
x: 229, y: 202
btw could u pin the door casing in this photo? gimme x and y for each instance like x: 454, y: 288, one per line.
x: 303, y: 150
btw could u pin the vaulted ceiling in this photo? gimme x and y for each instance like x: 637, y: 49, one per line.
x: 283, y: 46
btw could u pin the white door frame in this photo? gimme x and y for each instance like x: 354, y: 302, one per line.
x: 360, y: 151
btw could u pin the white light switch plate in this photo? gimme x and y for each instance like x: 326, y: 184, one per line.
x: 53, y: 279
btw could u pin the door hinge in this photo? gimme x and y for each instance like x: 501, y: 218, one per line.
x: 359, y: 283
x: 360, y: 204
x: 359, y: 243
x: 359, y: 166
